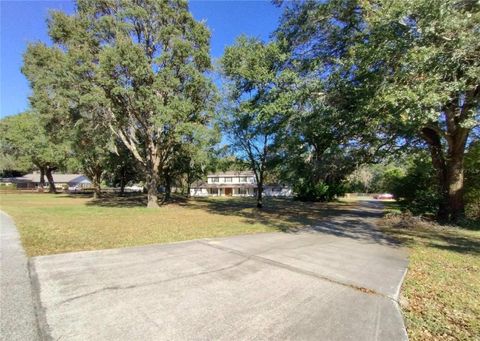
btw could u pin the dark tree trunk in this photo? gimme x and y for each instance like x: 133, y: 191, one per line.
x: 168, y: 186
x: 51, y: 183
x: 122, y: 186
x: 259, y: 179
x: 123, y: 177
x: 449, y: 169
x: 260, y: 194
x: 41, y: 185
x: 438, y: 161
x: 189, y: 183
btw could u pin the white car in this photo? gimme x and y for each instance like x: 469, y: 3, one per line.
x: 383, y: 196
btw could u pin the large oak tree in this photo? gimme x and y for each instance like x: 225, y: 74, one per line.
x: 138, y: 67
x: 411, y: 68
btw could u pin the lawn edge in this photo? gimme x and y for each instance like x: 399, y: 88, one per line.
x: 155, y: 244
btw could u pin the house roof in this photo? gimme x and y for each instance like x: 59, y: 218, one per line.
x: 198, y: 184
x: 233, y: 173
x: 226, y: 186
x: 14, y: 180
x: 57, y: 177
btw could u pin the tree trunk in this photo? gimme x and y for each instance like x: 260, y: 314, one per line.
x: 438, y: 161
x: 51, y: 183
x: 122, y: 186
x: 168, y: 186
x: 454, y: 187
x: 41, y: 185
x: 260, y: 194
x: 97, y: 191
x: 189, y: 181
x: 153, y: 175
x: 152, y: 188
x: 449, y: 171
x: 123, y: 182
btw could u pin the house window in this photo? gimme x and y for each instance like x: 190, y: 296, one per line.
x: 215, y: 179
x: 242, y: 191
x: 243, y: 179
x: 228, y: 179
x: 213, y: 191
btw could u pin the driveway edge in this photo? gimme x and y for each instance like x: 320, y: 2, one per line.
x: 396, y: 297
x: 41, y: 316
x: 397, y: 302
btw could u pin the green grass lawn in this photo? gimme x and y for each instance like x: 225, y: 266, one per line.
x: 441, y: 292
x: 61, y: 223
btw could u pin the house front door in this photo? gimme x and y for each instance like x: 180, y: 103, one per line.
x: 228, y: 191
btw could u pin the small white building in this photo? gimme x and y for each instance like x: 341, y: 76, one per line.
x: 237, y: 184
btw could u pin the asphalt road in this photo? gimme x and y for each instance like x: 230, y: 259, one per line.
x: 17, y: 316
x: 335, y: 281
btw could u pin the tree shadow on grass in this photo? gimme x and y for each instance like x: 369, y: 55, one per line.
x: 80, y: 195
x: 448, y: 239
x: 130, y: 200
x: 338, y: 219
x: 285, y: 215
x: 115, y: 200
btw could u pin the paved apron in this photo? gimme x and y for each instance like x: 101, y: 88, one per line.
x: 335, y: 281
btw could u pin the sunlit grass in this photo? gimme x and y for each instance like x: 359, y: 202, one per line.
x: 60, y: 223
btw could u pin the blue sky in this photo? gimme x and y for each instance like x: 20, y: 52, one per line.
x: 22, y: 22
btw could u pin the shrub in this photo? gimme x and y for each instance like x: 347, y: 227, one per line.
x: 404, y: 220
x: 308, y: 191
x: 417, y: 190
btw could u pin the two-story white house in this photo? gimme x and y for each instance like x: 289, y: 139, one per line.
x: 235, y: 183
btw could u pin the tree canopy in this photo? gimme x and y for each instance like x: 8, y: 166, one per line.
x: 136, y: 69
x: 402, y: 71
x: 25, y: 140
x: 341, y: 84
x: 255, y: 105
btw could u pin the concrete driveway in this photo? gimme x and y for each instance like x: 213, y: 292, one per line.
x: 335, y: 281
x: 17, y: 314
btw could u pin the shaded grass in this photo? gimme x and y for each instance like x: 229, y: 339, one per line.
x: 391, y: 206
x: 440, y: 294
x: 51, y: 224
